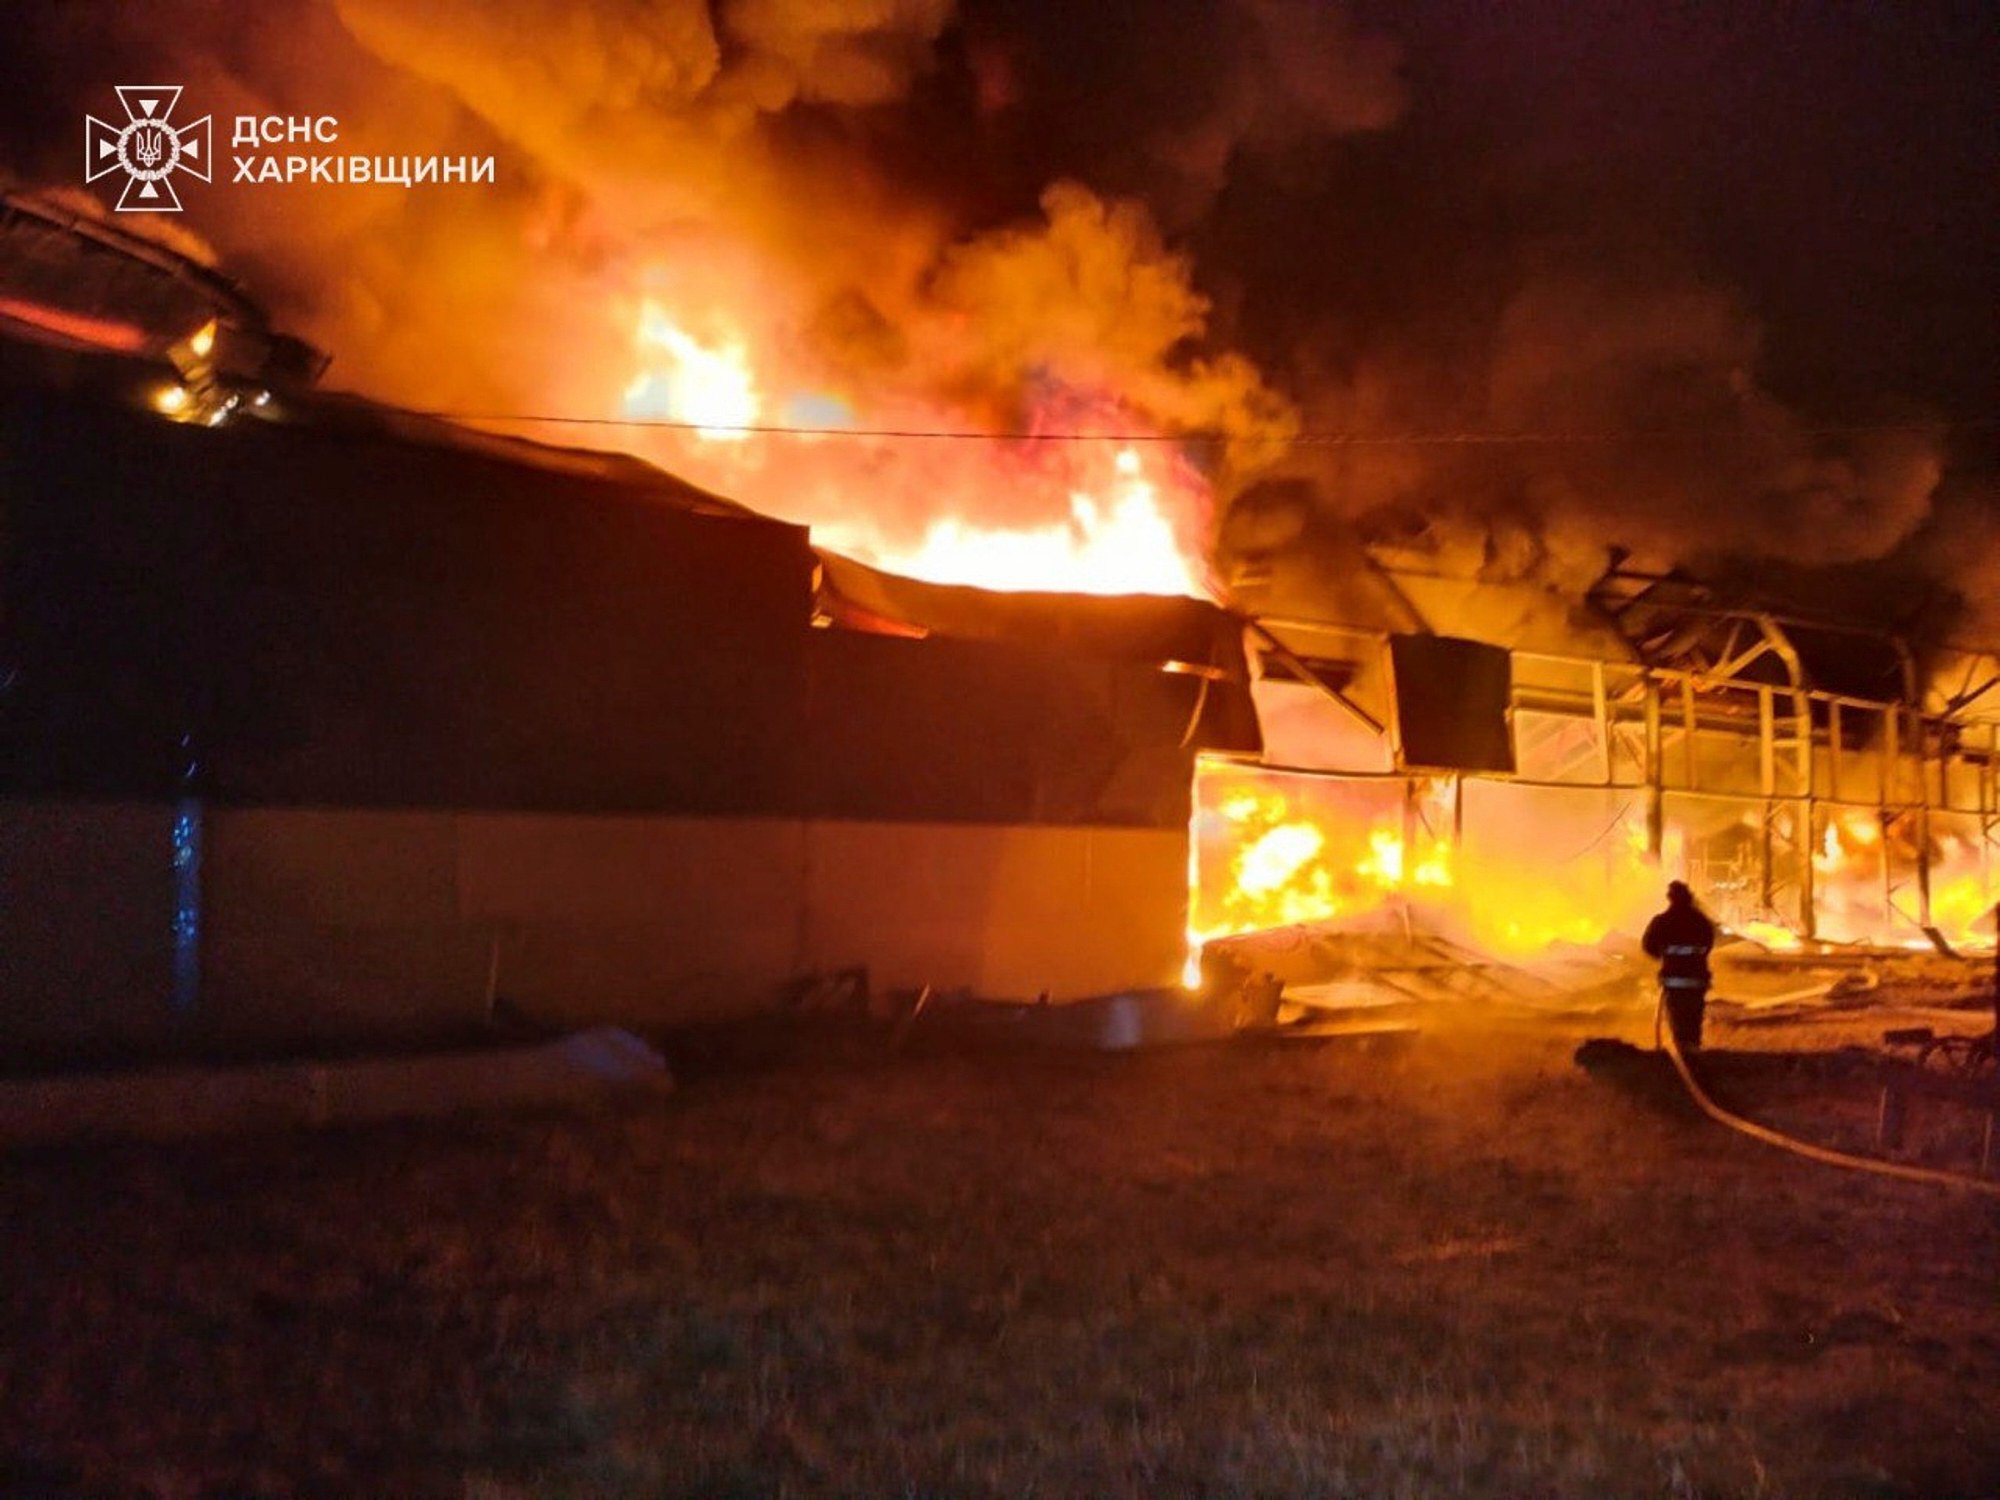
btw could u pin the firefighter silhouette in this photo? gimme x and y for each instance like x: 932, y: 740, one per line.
x: 1679, y: 938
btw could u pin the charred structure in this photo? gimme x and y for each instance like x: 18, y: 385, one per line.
x: 1537, y: 778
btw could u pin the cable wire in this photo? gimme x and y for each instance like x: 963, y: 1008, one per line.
x: 1309, y: 438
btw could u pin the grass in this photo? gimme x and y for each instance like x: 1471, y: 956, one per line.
x: 1458, y: 1266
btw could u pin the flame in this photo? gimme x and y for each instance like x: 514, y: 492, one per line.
x: 1866, y: 881
x: 1284, y: 866
x: 684, y: 380
x: 1771, y: 935
x: 1125, y: 547
x: 1272, y: 850
x: 1097, y: 516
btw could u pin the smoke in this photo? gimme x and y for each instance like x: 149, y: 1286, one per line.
x: 1603, y: 412
x: 1701, y: 460
x: 1960, y: 542
x: 642, y: 95
x: 1091, y: 299
x: 1241, y: 217
x: 1306, y: 75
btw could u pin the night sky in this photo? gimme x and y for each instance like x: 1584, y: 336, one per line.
x: 1836, y: 166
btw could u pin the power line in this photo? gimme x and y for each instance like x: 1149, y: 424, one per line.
x: 1309, y: 438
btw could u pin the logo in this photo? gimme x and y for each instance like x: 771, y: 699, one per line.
x: 148, y: 148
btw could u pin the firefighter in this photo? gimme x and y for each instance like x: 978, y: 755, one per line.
x: 1680, y: 938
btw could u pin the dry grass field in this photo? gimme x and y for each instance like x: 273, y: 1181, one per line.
x: 1452, y: 1266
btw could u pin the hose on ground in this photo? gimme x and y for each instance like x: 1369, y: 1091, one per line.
x: 1807, y: 1149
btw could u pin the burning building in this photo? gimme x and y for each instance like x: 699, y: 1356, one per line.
x: 1526, y: 766
x: 326, y: 719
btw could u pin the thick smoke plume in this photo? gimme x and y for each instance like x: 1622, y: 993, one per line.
x: 1604, y: 412
x: 1237, y: 218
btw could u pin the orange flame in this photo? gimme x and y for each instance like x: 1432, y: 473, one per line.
x: 1131, y: 518
x: 1274, y: 850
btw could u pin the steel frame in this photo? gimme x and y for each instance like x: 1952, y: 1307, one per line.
x: 1703, y: 668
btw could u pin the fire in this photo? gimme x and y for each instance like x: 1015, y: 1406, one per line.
x: 684, y: 380
x: 918, y: 494
x: 1284, y: 866
x: 1281, y: 867
x: 1273, y: 850
x: 1771, y: 935
x: 1867, y: 882
x: 1125, y: 547
x: 1386, y: 863
x: 1516, y: 869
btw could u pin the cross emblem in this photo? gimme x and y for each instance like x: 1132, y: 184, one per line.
x: 148, y: 148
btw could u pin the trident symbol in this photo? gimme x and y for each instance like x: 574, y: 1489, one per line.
x: 148, y: 143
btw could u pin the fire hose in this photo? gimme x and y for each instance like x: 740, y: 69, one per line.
x: 1797, y: 1147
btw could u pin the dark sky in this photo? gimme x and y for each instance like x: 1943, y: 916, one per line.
x: 1837, y: 166
x: 1839, y: 163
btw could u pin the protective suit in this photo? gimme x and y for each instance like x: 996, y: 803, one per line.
x: 1680, y: 939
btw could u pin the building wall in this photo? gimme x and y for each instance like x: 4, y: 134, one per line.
x: 458, y: 727
x: 322, y: 925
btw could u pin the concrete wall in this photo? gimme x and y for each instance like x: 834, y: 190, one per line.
x: 329, y: 925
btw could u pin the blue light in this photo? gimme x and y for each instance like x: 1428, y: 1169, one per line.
x: 187, y: 887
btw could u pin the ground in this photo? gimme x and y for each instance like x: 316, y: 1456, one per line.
x: 1451, y: 1265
